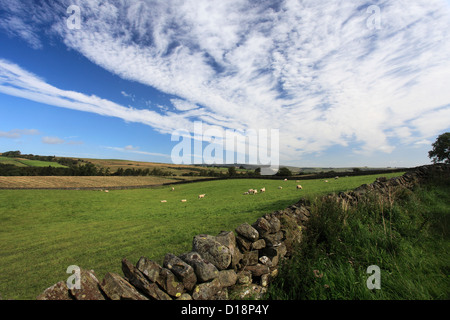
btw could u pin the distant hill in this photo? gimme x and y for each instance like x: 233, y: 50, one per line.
x: 312, y: 170
x: 23, y: 162
x: 115, y: 166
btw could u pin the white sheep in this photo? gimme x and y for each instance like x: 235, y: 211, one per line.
x: 263, y: 189
x: 184, y: 200
x: 246, y: 193
x: 285, y: 179
x: 326, y: 181
x: 173, y: 189
x: 299, y: 187
x: 201, y: 196
x: 280, y: 187
x: 163, y: 201
x: 106, y: 191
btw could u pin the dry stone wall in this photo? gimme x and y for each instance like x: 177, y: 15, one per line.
x: 230, y: 265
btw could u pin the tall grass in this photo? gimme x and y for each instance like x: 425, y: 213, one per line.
x: 405, y: 234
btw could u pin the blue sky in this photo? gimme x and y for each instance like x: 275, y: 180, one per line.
x: 344, y: 85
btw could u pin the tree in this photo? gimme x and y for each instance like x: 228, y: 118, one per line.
x: 12, y: 154
x: 441, y: 149
x: 231, y: 171
x: 284, y: 172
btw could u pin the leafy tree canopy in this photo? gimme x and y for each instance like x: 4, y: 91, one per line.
x: 441, y: 149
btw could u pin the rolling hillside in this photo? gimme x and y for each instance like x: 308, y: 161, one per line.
x: 21, y: 162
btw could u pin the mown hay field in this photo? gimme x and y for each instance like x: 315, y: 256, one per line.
x: 63, y: 182
x: 42, y: 232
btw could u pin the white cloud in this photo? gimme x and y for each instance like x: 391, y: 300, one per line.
x: 18, y: 133
x: 182, y: 105
x: 52, y: 140
x: 312, y: 69
x: 128, y: 95
x: 131, y: 149
x: 75, y: 143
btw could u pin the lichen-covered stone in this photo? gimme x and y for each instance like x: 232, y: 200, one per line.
x: 243, y: 244
x: 58, y: 291
x: 248, y: 232
x: 250, y: 258
x: 258, y: 270
x: 248, y: 291
x: 207, y: 290
x: 117, y: 288
x: 150, y: 269
x: 89, y: 287
x: 262, y: 226
x: 205, y: 271
x: 274, y: 223
x: 258, y: 244
x: 170, y: 283
x: 184, y: 272
x: 265, y: 260
x: 212, y: 251
x: 227, y: 278
x: 138, y: 280
x: 264, y: 281
x: 228, y: 239
x: 185, y: 296
x: 273, y: 239
x: 244, y: 277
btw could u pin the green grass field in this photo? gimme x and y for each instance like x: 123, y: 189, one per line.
x: 29, y: 163
x: 42, y: 232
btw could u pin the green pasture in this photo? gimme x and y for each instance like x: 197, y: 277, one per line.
x: 42, y: 232
x: 29, y: 163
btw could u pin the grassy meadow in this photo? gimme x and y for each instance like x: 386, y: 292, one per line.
x: 408, y: 239
x: 29, y: 163
x: 42, y: 232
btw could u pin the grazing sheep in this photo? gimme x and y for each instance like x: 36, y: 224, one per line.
x: 252, y: 191
x: 184, y: 200
x: 285, y: 179
x: 263, y: 190
x: 201, y: 196
x: 106, y: 190
x: 299, y: 187
x: 326, y: 181
x: 163, y: 201
x: 173, y: 189
x: 246, y: 193
x: 336, y: 177
x: 280, y: 187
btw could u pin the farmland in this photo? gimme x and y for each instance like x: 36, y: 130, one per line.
x: 44, y: 231
x: 74, y: 182
x: 29, y: 163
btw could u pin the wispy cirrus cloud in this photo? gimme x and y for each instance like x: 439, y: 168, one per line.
x: 312, y: 69
x: 135, y: 150
x: 52, y: 140
x: 18, y: 133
